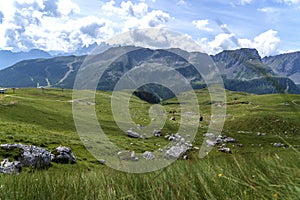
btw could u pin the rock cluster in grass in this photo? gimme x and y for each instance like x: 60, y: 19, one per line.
x: 36, y: 157
x: 180, y: 147
x: 220, y: 140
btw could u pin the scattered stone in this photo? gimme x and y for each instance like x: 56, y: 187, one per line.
x: 211, y: 143
x: 7, y: 167
x: 261, y: 134
x: 172, y: 138
x: 278, y: 145
x: 127, y: 155
x: 148, y: 155
x: 224, y: 139
x: 196, y: 148
x: 132, y: 134
x: 225, y: 149
x: 157, y: 133
x: 102, y: 162
x: 239, y: 145
x: 172, y: 119
x: 210, y: 135
x: 178, y: 136
x: 140, y: 127
x: 185, y: 157
x: 63, y: 154
x: 228, y: 139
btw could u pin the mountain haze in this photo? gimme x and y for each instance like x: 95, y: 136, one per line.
x: 8, y: 58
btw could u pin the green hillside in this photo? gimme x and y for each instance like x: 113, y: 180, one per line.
x: 255, y: 170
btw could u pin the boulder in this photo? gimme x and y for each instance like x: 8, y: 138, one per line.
x: 148, y: 155
x: 7, y: 167
x: 31, y: 156
x: 132, y: 134
x: 176, y: 151
x: 63, y: 155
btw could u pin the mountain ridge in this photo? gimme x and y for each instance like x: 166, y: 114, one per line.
x: 242, y: 70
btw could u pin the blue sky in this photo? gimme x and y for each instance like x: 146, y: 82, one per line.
x: 271, y: 26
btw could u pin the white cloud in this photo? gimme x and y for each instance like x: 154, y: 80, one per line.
x: 268, y: 10
x: 181, y: 2
x: 135, y: 15
x: 202, y: 25
x: 59, y: 26
x: 266, y: 43
x: 49, y: 25
x: 289, y: 2
x: 155, y: 38
x: 67, y: 7
x: 244, y: 2
x: 221, y: 42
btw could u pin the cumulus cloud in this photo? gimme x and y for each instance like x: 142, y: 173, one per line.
x: 57, y: 25
x: 266, y: 43
x: 202, y: 25
x: 48, y: 25
x: 220, y: 42
x: 136, y: 15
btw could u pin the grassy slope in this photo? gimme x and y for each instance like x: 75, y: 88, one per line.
x: 255, y: 171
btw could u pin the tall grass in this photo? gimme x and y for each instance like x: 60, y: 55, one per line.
x: 224, y: 177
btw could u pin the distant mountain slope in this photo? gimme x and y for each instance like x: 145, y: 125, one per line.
x: 41, y: 72
x: 242, y: 64
x: 242, y: 70
x: 287, y: 65
x: 8, y: 58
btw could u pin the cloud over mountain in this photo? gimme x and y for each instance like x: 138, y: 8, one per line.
x: 56, y: 25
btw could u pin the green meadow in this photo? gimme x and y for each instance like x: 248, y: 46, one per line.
x: 255, y: 169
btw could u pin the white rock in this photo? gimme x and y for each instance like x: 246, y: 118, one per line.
x: 148, y: 155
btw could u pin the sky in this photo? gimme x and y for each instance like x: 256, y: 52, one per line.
x: 272, y: 27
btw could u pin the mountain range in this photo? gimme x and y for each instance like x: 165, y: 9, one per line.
x: 242, y: 70
x: 8, y: 58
